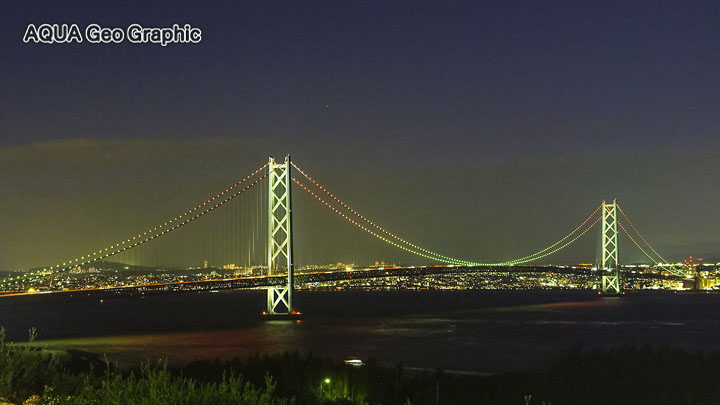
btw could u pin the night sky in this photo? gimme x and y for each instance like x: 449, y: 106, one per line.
x: 484, y: 130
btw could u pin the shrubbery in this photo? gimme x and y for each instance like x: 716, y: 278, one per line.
x: 30, y: 376
x: 625, y: 375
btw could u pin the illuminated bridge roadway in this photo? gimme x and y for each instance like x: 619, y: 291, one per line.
x: 327, y: 276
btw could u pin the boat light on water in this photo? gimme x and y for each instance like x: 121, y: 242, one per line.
x: 354, y: 361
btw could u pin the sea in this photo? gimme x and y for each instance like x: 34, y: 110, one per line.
x: 461, y: 331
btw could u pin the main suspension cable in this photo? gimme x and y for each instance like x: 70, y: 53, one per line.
x: 525, y: 259
x: 375, y: 234
x: 640, y: 235
x: 166, y: 224
x: 555, y: 250
x: 636, y: 244
x: 71, y: 264
x: 661, y: 265
x: 369, y: 222
x: 532, y: 256
x: 423, y: 252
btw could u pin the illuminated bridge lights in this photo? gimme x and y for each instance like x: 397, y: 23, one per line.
x: 441, y: 258
x: 309, y: 278
x: 369, y: 221
x: 352, y: 221
x: 176, y: 226
x: 166, y: 223
x: 437, y: 256
x: 343, y: 210
x: 640, y: 235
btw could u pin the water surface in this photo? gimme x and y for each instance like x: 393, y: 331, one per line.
x: 482, y: 331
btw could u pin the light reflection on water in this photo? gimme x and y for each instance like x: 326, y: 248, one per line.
x: 461, y: 330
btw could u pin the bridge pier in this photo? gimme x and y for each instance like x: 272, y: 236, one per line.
x: 702, y: 283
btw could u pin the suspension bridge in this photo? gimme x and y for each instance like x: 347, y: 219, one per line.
x: 274, y: 217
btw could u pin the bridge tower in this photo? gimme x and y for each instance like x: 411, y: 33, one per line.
x: 611, y: 284
x: 280, y: 249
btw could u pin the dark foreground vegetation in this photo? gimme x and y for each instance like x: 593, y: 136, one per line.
x: 617, y: 376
